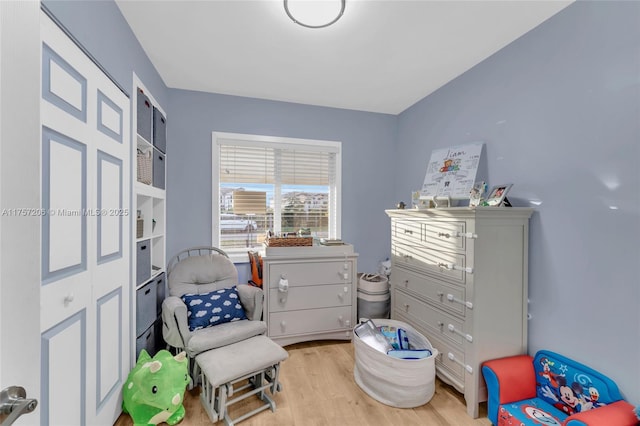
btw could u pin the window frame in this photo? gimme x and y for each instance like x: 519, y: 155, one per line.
x: 217, y: 138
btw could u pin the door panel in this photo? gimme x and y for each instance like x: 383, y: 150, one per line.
x: 64, y: 361
x: 85, y: 293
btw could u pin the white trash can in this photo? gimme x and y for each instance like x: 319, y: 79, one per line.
x: 402, y: 383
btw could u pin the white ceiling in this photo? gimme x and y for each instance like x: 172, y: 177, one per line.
x: 381, y: 56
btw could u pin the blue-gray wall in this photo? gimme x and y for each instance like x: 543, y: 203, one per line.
x: 367, y: 147
x: 559, y: 111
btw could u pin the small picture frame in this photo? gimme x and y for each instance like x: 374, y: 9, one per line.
x: 497, y: 194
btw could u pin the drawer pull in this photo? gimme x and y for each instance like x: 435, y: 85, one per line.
x: 440, y: 324
x: 283, y: 285
x: 466, y: 235
x: 460, y: 268
x: 407, y: 257
x: 451, y: 298
x: 68, y: 299
x: 460, y: 333
x: 408, y: 231
x: 283, y: 325
x: 467, y: 367
x: 453, y: 266
x: 406, y: 283
x: 457, y: 235
x: 406, y: 307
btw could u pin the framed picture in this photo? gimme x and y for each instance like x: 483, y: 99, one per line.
x: 498, y: 194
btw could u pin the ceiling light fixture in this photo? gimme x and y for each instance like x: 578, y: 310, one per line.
x: 314, y: 13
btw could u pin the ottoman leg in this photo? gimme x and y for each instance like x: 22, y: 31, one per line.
x: 208, y: 400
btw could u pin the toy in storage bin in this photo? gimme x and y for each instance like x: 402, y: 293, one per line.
x: 402, y: 383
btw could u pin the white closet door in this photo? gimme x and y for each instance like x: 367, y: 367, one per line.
x: 85, y: 236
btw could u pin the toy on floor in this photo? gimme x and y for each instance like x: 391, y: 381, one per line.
x: 154, y: 390
x: 552, y: 389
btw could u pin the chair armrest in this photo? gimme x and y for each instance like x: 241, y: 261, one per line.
x: 251, y: 299
x: 619, y: 413
x: 508, y: 379
x: 175, y: 326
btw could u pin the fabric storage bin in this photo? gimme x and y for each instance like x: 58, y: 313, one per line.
x: 402, y: 383
x: 146, y: 341
x: 159, y: 130
x: 158, y: 169
x: 146, y: 312
x: 160, y: 286
x: 143, y: 261
x: 144, y: 115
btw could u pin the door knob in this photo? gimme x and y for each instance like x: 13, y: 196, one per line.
x: 14, y: 403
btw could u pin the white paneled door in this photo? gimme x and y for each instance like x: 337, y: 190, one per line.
x: 84, y: 294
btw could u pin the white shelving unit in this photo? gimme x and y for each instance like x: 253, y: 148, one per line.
x: 149, y: 248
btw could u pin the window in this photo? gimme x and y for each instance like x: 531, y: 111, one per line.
x: 301, y: 179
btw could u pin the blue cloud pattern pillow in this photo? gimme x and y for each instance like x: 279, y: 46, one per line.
x: 216, y: 307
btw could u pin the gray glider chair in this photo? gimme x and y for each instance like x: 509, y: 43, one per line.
x: 199, y: 271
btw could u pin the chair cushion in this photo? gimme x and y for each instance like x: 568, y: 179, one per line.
x: 571, y: 386
x: 534, y: 411
x: 202, y: 274
x: 210, y: 309
x: 224, y: 334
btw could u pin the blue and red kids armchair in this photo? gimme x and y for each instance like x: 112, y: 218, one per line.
x: 550, y: 389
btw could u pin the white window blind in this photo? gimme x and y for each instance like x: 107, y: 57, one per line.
x: 301, y: 179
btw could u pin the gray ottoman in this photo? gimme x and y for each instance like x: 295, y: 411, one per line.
x: 256, y: 359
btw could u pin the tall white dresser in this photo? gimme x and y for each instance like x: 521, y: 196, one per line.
x: 310, y: 293
x: 459, y: 276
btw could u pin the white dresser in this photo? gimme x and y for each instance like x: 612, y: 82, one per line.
x: 459, y: 276
x: 310, y: 293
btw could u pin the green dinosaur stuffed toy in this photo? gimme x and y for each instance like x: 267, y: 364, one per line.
x: 154, y: 390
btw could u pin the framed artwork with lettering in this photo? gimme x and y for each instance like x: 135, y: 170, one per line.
x: 451, y: 172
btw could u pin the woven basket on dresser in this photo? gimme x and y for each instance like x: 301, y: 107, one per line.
x: 289, y: 241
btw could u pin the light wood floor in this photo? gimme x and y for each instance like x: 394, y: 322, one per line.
x: 318, y: 389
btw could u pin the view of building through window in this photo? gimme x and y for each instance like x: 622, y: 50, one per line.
x: 303, y: 209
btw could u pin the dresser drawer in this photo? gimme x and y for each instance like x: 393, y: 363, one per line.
x: 449, y: 235
x: 444, y: 295
x: 310, y: 273
x: 310, y: 321
x: 445, y: 235
x: 435, y: 321
x: 450, y: 362
x: 440, y: 263
x: 408, y: 232
x: 310, y: 297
